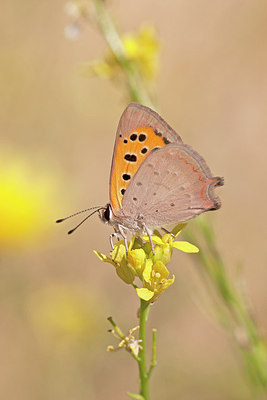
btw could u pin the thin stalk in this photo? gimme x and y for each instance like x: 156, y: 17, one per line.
x: 116, y: 328
x: 154, y: 352
x: 143, y: 375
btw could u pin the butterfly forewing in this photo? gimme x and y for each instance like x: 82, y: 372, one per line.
x: 173, y: 184
x: 140, y: 131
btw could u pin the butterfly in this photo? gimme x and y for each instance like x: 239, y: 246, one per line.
x: 155, y: 179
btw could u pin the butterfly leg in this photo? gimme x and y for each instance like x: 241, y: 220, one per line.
x: 116, y: 235
x: 124, y: 238
x: 150, y: 238
x: 166, y: 231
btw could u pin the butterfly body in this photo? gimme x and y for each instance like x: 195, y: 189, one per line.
x: 156, y: 180
x: 123, y: 222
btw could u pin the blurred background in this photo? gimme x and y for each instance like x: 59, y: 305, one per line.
x: 57, y: 134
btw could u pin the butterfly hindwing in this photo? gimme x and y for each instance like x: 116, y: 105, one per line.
x: 140, y: 131
x: 173, y: 184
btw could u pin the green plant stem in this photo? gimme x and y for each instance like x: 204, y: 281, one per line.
x: 133, y: 78
x: 143, y: 375
x: 116, y: 328
x: 154, y: 352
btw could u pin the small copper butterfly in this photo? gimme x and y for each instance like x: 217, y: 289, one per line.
x: 155, y: 179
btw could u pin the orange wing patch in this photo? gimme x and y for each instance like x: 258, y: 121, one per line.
x: 131, y: 150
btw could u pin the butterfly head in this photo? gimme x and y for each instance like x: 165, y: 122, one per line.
x: 105, y: 214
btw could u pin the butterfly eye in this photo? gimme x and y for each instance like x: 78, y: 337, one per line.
x: 107, y: 214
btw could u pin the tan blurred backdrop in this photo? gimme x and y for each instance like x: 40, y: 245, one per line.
x: 57, y: 134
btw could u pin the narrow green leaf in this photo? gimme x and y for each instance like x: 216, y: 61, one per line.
x: 136, y: 396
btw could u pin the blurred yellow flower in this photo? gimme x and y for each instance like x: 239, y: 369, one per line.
x: 141, y: 49
x: 64, y: 314
x: 25, y: 202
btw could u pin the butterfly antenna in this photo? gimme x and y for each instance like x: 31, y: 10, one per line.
x: 88, y: 216
x: 79, y: 212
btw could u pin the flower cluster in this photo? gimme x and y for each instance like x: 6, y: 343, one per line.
x: 141, y: 50
x: 129, y: 342
x: 140, y: 262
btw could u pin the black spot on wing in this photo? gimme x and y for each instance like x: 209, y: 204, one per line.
x: 133, y: 137
x: 157, y: 133
x: 165, y: 140
x: 142, y: 137
x: 126, y: 177
x: 130, y: 157
x: 144, y: 150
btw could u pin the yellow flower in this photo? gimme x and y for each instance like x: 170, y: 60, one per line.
x: 148, y: 267
x: 136, y: 259
x: 141, y: 49
x: 157, y: 283
x: 167, y: 243
x: 119, y: 261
